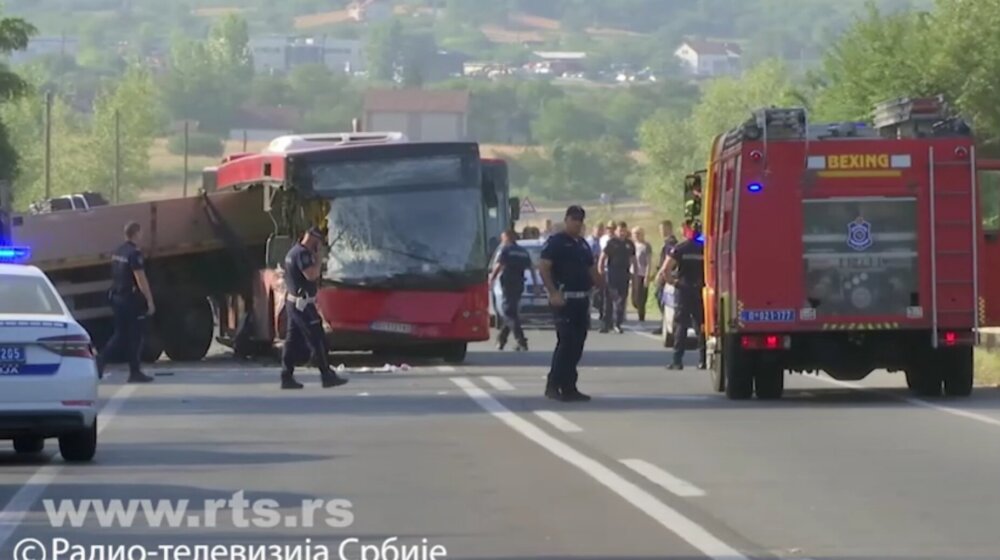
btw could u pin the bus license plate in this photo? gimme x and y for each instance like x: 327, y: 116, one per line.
x: 398, y: 328
x: 12, y: 355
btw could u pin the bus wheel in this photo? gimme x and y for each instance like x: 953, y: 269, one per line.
x: 152, y: 344
x: 455, y: 353
x: 957, y: 367
x: 737, y: 366
x: 188, y: 327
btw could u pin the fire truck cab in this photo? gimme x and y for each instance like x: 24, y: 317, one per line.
x: 843, y: 248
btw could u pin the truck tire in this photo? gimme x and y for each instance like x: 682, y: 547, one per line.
x: 187, y: 329
x: 455, y: 353
x: 957, y: 367
x: 769, y: 381
x: 923, y: 377
x: 738, y: 369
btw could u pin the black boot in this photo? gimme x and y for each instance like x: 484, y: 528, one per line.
x: 574, y: 395
x: 288, y: 381
x: 552, y: 392
x: 331, y: 379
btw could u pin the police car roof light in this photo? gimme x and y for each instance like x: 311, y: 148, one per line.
x: 14, y: 254
x: 755, y: 187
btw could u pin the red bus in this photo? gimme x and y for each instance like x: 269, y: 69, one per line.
x: 406, y: 267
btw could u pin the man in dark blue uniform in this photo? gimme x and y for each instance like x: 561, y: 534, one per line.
x: 512, y: 262
x: 131, y: 300
x: 569, y: 272
x: 689, y: 310
x: 303, y: 323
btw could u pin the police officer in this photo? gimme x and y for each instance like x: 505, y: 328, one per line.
x: 303, y: 323
x: 690, y: 279
x: 617, y: 262
x: 512, y: 262
x: 131, y: 300
x: 669, y: 242
x: 569, y: 272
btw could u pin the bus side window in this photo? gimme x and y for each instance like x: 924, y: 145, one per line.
x: 989, y: 200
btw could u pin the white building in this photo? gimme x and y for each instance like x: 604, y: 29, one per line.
x: 709, y: 58
x: 279, y: 54
x: 46, y: 46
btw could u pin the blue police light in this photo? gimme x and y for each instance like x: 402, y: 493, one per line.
x: 14, y: 254
x: 755, y: 187
x: 700, y: 238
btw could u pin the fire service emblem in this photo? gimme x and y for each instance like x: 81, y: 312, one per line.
x: 859, y: 234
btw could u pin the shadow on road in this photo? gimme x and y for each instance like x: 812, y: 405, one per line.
x: 112, y: 455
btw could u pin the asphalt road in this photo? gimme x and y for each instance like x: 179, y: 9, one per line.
x: 474, y: 460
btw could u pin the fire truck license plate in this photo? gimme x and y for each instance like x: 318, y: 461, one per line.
x: 398, y: 328
x: 768, y: 316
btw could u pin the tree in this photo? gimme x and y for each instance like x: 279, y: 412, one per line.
x: 383, y: 49
x: 14, y: 35
x: 229, y: 44
x: 564, y: 120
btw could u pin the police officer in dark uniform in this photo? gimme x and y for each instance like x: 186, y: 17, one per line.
x: 303, y: 323
x: 690, y: 279
x: 570, y: 273
x: 512, y: 262
x: 131, y: 300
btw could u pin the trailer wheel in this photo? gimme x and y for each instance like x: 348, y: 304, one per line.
x: 188, y: 327
x: 455, y: 353
x: 769, y: 381
x: 737, y: 367
x: 152, y: 344
x: 957, y: 369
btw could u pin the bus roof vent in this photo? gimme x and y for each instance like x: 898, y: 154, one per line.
x: 290, y: 143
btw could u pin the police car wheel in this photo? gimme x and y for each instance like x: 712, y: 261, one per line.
x: 79, y: 447
x: 29, y: 445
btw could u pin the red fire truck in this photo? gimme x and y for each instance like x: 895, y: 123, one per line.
x: 845, y: 248
x: 406, y: 266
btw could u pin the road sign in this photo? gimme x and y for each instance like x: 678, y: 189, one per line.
x: 527, y: 207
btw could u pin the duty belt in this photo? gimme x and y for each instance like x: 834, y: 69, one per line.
x: 306, y: 300
x: 576, y: 295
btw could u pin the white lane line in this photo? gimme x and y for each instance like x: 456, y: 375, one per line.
x: 19, y: 506
x: 364, y: 394
x: 662, y: 478
x: 558, y: 421
x: 917, y: 402
x: 442, y: 393
x: 669, y: 518
x: 446, y: 369
x: 644, y: 334
x: 498, y: 383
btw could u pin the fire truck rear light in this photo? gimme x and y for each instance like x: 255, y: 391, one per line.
x: 953, y: 338
x: 950, y: 338
x: 755, y: 187
x: 961, y: 152
x: 765, y: 342
x: 756, y: 155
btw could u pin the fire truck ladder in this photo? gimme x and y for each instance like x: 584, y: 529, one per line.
x: 954, y: 267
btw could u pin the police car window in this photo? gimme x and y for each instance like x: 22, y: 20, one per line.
x: 27, y: 295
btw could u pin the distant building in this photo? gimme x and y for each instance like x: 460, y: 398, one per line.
x: 423, y: 115
x: 557, y: 63
x: 709, y: 58
x: 370, y: 10
x: 39, y: 47
x: 279, y: 54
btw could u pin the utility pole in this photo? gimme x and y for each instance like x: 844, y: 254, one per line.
x: 118, y: 155
x: 187, y: 137
x: 48, y: 145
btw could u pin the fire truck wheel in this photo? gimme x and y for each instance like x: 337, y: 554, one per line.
x: 924, y: 378
x: 738, y: 367
x: 957, y: 367
x: 187, y: 329
x: 455, y: 353
x: 769, y: 380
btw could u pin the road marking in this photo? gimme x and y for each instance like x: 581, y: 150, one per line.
x: 446, y: 369
x: 19, y: 505
x: 364, y: 394
x: 442, y: 393
x: 558, y: 421
x: 917, y: 402
x: 669, y: 518
x: 664, y: 479
x: 498, y: 383
x: 645, y: 334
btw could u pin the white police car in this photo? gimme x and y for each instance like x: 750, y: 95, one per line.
x: 48, y: 375
x: 534, y: 305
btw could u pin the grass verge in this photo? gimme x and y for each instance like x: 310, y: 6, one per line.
x: 987, y: 368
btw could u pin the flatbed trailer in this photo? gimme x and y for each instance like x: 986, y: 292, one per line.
x: 195, y: 248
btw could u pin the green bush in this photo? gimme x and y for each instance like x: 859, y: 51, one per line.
x: 199, y: 144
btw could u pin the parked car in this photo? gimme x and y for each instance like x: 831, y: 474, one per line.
x: 48, y: 375
x: 534, y: 306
